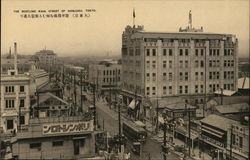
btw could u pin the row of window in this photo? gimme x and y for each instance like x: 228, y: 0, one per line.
x: 111, y: 79
x: 11, y: 89
x: 109, y: 72
x: 229, y: 75
x: 214, y: 63
x: 214, y: 52
x: 199, y: 76
x: 164, y: 64
x: 214, y: 75
x: 10, y: 103
x: 199, y: 89
x: 38, y: 145
x: 228, y: 52
x: 198, y: 64
x: 199, y: 52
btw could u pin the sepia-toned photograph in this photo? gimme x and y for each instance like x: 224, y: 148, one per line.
x: 125, y: 80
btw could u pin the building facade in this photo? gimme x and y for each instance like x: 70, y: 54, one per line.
x: 15, y: 101
x: 106, y: 75
x: 47, y: 59
x: 56, y: 138
x: 161, y: 64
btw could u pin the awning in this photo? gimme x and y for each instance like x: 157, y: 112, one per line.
x: 213, y: 130
x: 217, y: 135
x: 140, y: 123
x: 83, y: 137
x: 132, y: 104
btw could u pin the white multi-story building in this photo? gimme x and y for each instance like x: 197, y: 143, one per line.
x: 15, y: 99
x: 185, y: 63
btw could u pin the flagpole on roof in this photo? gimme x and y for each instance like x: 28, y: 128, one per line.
x: 134, y: 17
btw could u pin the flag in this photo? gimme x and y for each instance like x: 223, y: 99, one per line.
x: 134, y: 13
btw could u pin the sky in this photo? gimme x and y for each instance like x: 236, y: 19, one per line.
x: 101, y: 33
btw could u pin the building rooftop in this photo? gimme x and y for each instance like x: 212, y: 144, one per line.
x: 225, y: 92
x: 19, y: 77
x: 233, y: 108
x: 44, y: 51
x: 218, y: 121
x: 232, y: 100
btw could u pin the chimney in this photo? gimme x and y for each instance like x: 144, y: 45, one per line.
x: 15, y: 58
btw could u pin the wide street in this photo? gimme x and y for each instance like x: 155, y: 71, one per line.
x: 109, y: 118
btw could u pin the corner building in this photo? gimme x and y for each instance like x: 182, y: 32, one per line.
x: 185, y: 63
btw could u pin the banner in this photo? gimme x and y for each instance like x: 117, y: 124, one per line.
x: 67, y: 127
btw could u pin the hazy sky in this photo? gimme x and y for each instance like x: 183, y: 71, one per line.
x: 101, y: 32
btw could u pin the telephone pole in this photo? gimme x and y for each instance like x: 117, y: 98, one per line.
x: 119, y: 123
x: 81, y: 89
x: 165, y: 141
x: 189, y: 133
x: 157, y: 115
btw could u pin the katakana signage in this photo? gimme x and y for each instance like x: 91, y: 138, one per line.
x: 67, y: 127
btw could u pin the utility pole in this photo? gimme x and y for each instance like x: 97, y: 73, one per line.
x: 189, y: 133
x: 165, y: 141
x: 119, y: 123
x: 75, y: 88
x: 110, y: 94
x: 94, y: 105
x: 157, y: 115
x: 221, y: 102
x: 135, y: 103
x: 81, y: 90
x: 231, y: 142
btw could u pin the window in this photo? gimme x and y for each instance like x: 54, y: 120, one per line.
x: 201, y: 86
x: 196, y: 76
x: 164, y: 65
x: 9, y: 89
x: 9, y: 103
x: 154, y: 76
x: 181, y: 64
x: 148, y: 64
x: 196, y: 64
x: 186, y: 64
x: 153, y: 90
x: 228, y: 63
x: 218, y: 63
x: 104, y: 71
x: 196, y: 88
x: 232, y: 63
x: 148, y: 52
x: 186, y: 76
x: 210, y: 75
x: 202, y: 63
x: 21, y: 88
x: 170, y: 76
x: 164, y: 52
x: 22, y: 120
x: 153, y: 64
x: 148, y: 90
x: 170, y: 52
x: 210, y: 88
x: 164, y: 76
x: 180, y: 89
x: 225, y: 75
x: 202, y: 52
x: 35, y: 146
x: 217, y: 75
x: 164, y: 88
x: 170, y: 64
x: 214, y: 52
x: 21, y: 103
x: 186, y: 52
x: 232, y: 75
x: 201, y: 75
x: 10, y: 124
x: 218, y: 52
x: 210, y: 63
x: 154, y: 52
x: 225, y: 52
x: 210, y: 52
x: 186, y: 89
x: 170, y: 90
x: 225, y: 63
x: 180, y: 76
x: 181, y: 52
x: 241, y: 142
x: 196, y: 52
x: 57, y: 143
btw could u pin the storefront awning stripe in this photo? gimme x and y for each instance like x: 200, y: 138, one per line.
x: 208, y: 131
x: 211, y: 129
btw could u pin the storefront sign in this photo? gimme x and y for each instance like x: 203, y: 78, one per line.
x: 217, y: 143
x: 67, y: 127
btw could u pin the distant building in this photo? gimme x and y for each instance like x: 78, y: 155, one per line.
x: 106, y: 75
x: 188, y: 63
x: 47, y: 59
x: 56, y: 138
